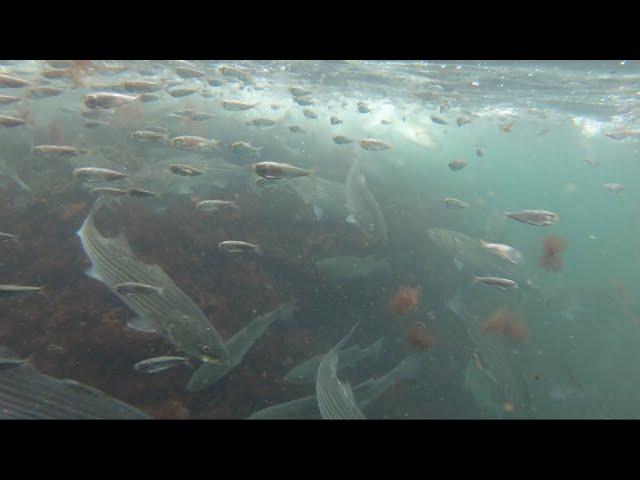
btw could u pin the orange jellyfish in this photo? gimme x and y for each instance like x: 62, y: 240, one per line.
x: 508, y: 323
x: 552, y: 247
x: 405, y: 300
x: 418, y: 337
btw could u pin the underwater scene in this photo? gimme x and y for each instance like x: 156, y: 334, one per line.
x: 319, y: 239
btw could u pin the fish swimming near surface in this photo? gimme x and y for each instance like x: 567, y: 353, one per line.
x: 107, y: 100
x: 374, y: 145
x: 364, y: 208
x: 7, y: 121
x: 237, y: 105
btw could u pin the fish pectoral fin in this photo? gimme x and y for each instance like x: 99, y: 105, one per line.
x: 142, y: 325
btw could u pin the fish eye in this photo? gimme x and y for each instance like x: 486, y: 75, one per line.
x: 206, y: 349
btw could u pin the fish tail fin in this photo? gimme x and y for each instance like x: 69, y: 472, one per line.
x: 259, y: 250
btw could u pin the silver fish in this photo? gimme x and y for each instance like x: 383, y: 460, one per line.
x: 229, y: 71
x: 272, y: 170
x: 450, y: 202
x: 342, y: 140
x: 438, y: 120
x: 159, y: 364
x: 146, y: 136
x: 7, y: 121
x: 456, y: 165
x: 502, y: 283
x: 364, y: 207
x: 215, y: 205
x: 191, y: 142
x: 307, y: 112
x: 95, y: 173
x: 504, y: 251
x: 7, y: 81
x: 261, y: 122
x: 374, y: 145
x: 299, y: 91
x: 237, y: 105
x: 296, y: 129
x: 141, y: 86
x: 182, y: 92
x: 43, y: 92
x: 201, y: 116
x: 8, y: 100
x: 244, y: 148
x: 148, y: 97
x: 17, y: 290
x: 141, y: 193
x: 541, y: 218
x: 107, y: 100
x: 303, y: 102
x: 237, y: 246
x: 58, y: 151
x: 136, y: 288
x: 336, y: 400
x: 335, y: 120
x: 363, y: 108
x: 95, y: 124
x: 186, y: 72
x: 8, y: 236
x: 614, y: 187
